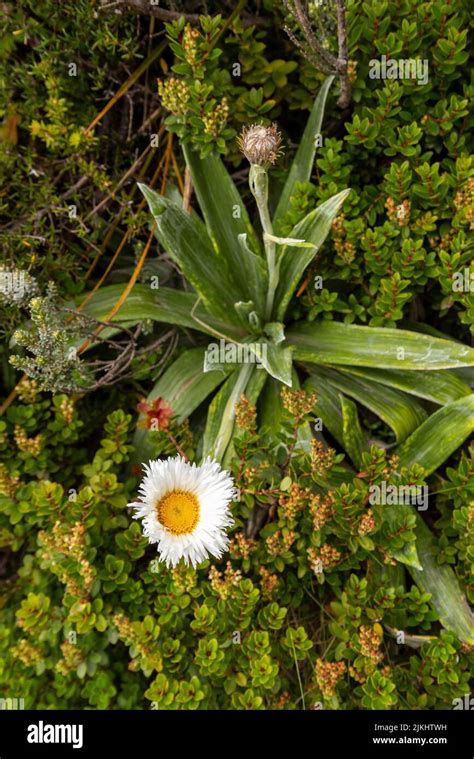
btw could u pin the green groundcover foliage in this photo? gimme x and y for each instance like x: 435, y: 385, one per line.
x: 245, y: 236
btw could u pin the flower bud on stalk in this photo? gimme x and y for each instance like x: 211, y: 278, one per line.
x: 261, y: 146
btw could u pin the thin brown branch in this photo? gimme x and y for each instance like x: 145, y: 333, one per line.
x: 112, y: 195
x: 109, y: 372
x: 145, y: 7
x: 311, y: 38
x: 44, y: 211
x: 342, y: 61
x: 307, y: 53
x: 188, y: 189
x: 315, y: 52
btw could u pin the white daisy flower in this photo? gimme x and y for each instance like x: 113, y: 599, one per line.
x: 185, y: 509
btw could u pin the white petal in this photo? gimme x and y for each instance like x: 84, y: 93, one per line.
x: 214, y: 489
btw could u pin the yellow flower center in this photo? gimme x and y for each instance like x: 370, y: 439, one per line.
x: 178, y: 511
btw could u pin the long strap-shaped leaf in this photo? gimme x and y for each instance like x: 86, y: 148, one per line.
x: 185, y: 239
x: 355, y: 439
x: 442, y: 584
x: 271, y: 409
x: 276, y: 359
x: 162, y: 305
x: 430, y: 445
x: 304, y: 159
x: 221, y: 413
x: 402, y: 413
x: 293, y: 261
x: 329, y: 342
x: 226, y: 218
x: 184, y: 386
x: 253, y: 389
x: 437, y: 386
x: 328, y: 407
x: 437, y: 438
x: 220, y: 423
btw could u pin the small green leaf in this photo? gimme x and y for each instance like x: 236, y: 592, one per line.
x: 397, y: 519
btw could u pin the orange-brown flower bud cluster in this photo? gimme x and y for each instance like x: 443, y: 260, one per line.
x: 325, y: 557
x: 224, y: 583
x: 8, y: 484
x: 399, y: 213
x: 344, y: 248
x: 68, y: 541
x: 268, y: 584
x: 328, y: 675
x: 320, y: 511
x: 295, y: 501
x: 245, y: 414
x: 31, y: 445
x: 124, y: 627
x: 72, y: 657
x: 66, y: 409
x: 252, y: 473
x: 298, y: 402
x: 283, y: 699
x: 279, y: 543
x: 27, y: 390
x: 367, y: 523
x: 241, y: 547
x: 215, y: 121
x: 175, y: 95
x: 370, y: 640
x: 322, y: 458
x: 27, y: 653
x: 190, y: 45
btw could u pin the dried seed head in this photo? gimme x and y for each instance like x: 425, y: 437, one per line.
x: 261, y: 145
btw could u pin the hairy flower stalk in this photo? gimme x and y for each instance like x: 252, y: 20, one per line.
x: 262, y: 146
x: 258, y: 179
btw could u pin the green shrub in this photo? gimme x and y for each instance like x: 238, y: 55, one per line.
x: 307, y: 614
x: 325, y: 599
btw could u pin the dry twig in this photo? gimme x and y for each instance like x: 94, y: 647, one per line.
x: 315, y: 52
x: 146, y: 8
